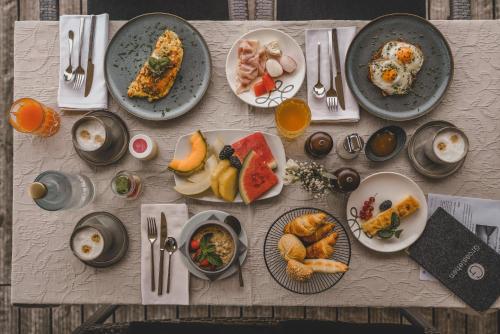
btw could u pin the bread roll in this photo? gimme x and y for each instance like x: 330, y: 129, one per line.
x: 326, y: 266
x: 305, y: 225
x: 322, y: 249
x: 298, y: 271
x: 291, y: 248
x: 319, y: 234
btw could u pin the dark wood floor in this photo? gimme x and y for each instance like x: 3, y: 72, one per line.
x: 62, y: 319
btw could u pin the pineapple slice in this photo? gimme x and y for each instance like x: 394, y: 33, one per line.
x: 228, y: 184
x: 214, y: 180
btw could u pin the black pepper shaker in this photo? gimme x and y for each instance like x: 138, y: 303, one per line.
x: 318, y: 145
x: 346, y: 180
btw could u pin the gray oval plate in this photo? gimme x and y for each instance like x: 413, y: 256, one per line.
x: 431, y: 82
x: 132, y: 45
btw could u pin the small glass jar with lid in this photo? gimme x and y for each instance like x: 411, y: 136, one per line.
x: 126, y: 185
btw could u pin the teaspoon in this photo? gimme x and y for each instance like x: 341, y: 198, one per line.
x: 319, y: 90
x: 170, y: 247
x: 236, y: 226
x: 68, y: 73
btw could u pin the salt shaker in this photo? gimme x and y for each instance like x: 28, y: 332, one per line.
x: 350, y: 147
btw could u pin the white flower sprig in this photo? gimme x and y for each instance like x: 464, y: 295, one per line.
x: 312, y: 176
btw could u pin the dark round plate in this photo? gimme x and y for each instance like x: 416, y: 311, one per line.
x: 277, y: 265
x: 120, y: 238
x: 132, y: 45
x: 120, y: 135
x: 431, y: 82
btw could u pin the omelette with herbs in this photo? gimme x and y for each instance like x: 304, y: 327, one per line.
x: 157, y: 75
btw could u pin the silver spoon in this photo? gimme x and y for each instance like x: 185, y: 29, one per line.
x: 68, y: 73
x: 236, y: 226
x: 170, y: 247
x: 319, y: 90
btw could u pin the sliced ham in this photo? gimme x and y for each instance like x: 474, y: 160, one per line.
x: 251, y: 63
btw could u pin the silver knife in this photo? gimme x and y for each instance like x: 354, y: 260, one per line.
x: 90, y: 65
x: 338, y: 76
x: 163, y: 238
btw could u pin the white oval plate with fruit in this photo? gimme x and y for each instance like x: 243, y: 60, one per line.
x: 228, y: 165
x: 265, y: 67
x: 388, y: 212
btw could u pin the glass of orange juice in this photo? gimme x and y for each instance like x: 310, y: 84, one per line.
x: 30, y: 116
x: 293, y: 116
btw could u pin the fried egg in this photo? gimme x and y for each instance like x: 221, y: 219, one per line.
x: 390, y: 76
x: 409, y: 55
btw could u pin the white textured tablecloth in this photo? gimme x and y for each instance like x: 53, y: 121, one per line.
x: 45, y: 271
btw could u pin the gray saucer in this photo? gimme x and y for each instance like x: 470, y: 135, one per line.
x: 120, y: 135
x: 117, y: 230
x: 419, y: 160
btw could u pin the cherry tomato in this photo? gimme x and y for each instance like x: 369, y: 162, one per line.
x: 195, y: 244
x: 366, y: 203
x: 370, y: 209
x: 204, y: 263
x: 372, y: 199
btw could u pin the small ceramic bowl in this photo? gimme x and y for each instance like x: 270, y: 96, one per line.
x: 400, y: 143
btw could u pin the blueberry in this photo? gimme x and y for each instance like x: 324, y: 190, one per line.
x: 385, y: 205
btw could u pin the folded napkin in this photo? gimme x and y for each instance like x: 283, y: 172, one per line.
x: 67, y: 97
x: 319, y: 110
x: 177, y: 216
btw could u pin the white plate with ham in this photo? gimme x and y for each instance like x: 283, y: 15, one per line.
x: 265, y: 67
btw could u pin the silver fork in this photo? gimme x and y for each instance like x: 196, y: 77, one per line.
x: 332, y: 102
x: 79, y: 71
x: 152, y: 235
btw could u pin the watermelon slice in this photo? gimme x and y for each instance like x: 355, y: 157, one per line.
x: 254, y: 142
x: 256, y: 178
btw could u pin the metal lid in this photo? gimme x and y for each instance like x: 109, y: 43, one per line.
x: 37, y: 190
x: 353, y: 143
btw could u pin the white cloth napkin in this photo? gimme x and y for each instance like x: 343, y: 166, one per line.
x: 177, y: 216
x: 319, y: 110
x: 67, y: 97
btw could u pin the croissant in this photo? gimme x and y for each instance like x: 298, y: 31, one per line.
x: 319, y: 234
x: 298, y: 271
x: 291, y: 248
x: 305, y: 225
x: 326, y: 266
x: 322, y: 249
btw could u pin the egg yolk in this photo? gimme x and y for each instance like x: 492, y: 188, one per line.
x: 389, y: 75
x: 405, y: 55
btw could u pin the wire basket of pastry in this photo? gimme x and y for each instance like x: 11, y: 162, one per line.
x: 307, y: 250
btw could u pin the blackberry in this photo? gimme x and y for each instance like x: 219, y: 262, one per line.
x: 235, y: 162
x: 227, y: 151
x: 385, y: 205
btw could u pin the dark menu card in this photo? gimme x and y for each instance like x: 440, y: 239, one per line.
x: 460, y: 260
